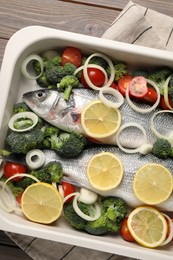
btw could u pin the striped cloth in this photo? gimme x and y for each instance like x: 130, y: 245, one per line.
x: 136, y: 25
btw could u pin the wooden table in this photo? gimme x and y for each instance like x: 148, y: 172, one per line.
x: 90, y: 17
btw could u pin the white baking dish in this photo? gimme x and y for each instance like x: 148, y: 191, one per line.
x: 33, y: 40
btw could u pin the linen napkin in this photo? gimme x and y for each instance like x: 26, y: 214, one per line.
x: 135, y: 25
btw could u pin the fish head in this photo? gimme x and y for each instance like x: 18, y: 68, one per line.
x: 41, y: 101
x: 51, y: 106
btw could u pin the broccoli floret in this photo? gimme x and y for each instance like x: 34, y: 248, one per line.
x: 66, y: 84
x: 23, y: 123
x: 42, y: 81
x: 49, y: 130
x: 98, y: 226
x: 20, y: 107
x: 72, y: 217
x: 162, y: 148
x: 51, y: 172
x: 69, y: 69
x: 159, y: 76
x: 68, y: 144
x: 120, y: 70
x: 115, y: 209
x: 55, y: 170
x: 23, y: 142
x: 15, y: 189
x: 24, y: 182
x: 54, y: 74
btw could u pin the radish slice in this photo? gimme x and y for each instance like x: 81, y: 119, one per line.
x: 24, y: 115
x: 138, y: 87
x: 113, y: 92
x: 83, y: 215
x: 165, y: 88
x: 35, y: 159
x: 135, y: 150
x: 27, y: 61
x: 87, y: 79
x: 144, y: 110
x: 87, y: 196
x: 168, y: 137
x: 170, y: 223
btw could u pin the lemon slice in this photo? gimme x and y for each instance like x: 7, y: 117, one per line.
x: 105, y: 171
x: 42, y: 203
x: 99, y: 120
x: 152, y: 183
x: 147, y: 226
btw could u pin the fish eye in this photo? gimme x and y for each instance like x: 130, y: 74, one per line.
x: 40, y: 94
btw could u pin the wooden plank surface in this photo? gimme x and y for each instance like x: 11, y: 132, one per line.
x: 81, y: 16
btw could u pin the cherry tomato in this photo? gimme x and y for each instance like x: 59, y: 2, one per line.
x: 163, y: 104
x: 123, y: 83
x: 11, y: 169
x: 138, y: 87
x: 72, y: 55
x: 113, y: 85
x: 68, y: 189
x: 124, y: 231
x: 19, y: 197
x: 96, y: 76
x: 151, y: 96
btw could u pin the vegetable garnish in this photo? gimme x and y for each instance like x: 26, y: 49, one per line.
x: 166, y: 97
x: 41, y: 203
x: 95, y: 68
x: 144, y: 148
x: 138, y: 87
x: 8, y: 201
x: 100, y: 121
x: 111, y: 79
x: 23, y: 121
x: 35, y: 159
x: 169, y: 136
x: 144, y: 110
x: 105, y: 171
x: 95, y: 209
x: 29, y: 59
x: 152, y: 183
x: 114, y: 104
x: 147, y: 226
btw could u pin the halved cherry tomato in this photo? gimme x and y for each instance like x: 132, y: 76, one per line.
x: 124, y: 231
x: 68, y: 189
x: 11, y: 169
x: 72, y: 55
x: 96, y: 76
x: 163, y: 104
x: 113, y: 85
x: 19, y: 198
x: 138, y: 87
x: 151, y: 96
x: 123, y: 83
